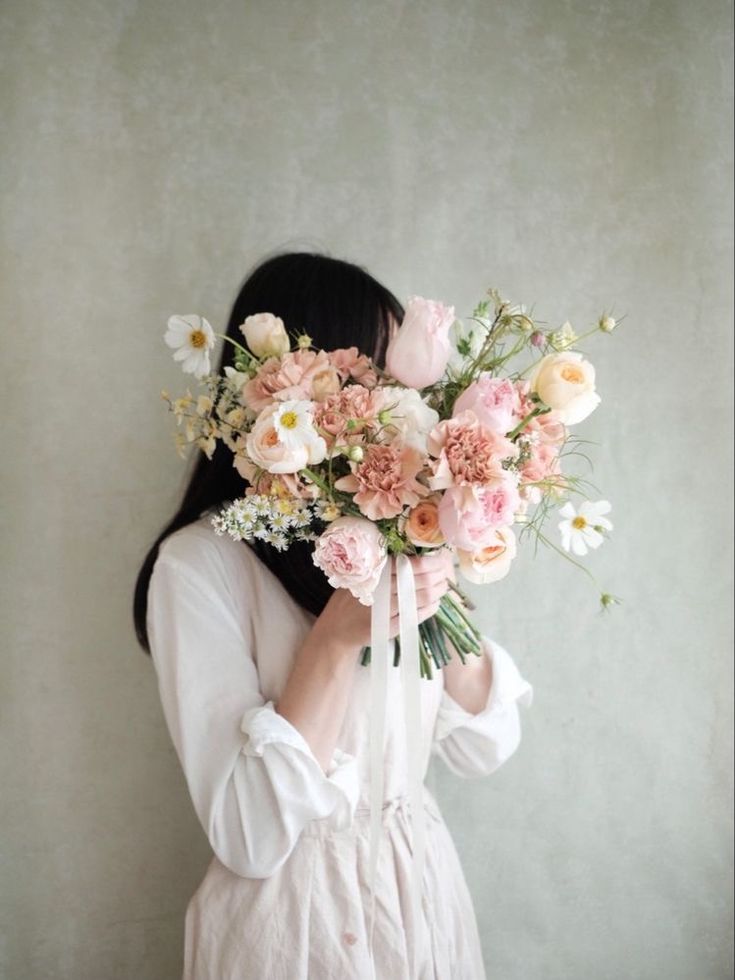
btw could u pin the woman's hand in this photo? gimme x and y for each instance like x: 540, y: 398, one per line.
x: 347, y: 622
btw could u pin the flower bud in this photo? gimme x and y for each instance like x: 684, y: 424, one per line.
x: 607, y: 324
x: 384, y: 416
x: 355, y: 454
x: 304, y: 341
x: 537, y: 339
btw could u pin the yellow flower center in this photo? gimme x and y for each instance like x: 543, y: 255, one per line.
x: 197, y: 338
x: 579, y: 522
x: 289, y: 420
x: 572, y: 373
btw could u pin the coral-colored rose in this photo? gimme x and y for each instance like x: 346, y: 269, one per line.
x: 265, y: 335
x: 566, y: 382
x: 495, y: 401
x: 352, y: 553
x: 350, y: 363
x: 492, y: 562
x: 468, y: 516
x: 285, y: 378
x: 384, y: 482
x: 417, y: 355
x: 467, y: 453
x: 349, y: 412
x: 422, y: 524
x: 265, y: 448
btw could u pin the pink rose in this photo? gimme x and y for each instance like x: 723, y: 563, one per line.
x: 417, y: 355
x: 292, y: 376
x: 384, y: 482
x: 468, y: 516
x: 352, y: 553
x: 492, y: 562
x: 495, y: 401
x: 467, y: 453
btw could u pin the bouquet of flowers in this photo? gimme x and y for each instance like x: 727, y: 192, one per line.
x: 451, y: 446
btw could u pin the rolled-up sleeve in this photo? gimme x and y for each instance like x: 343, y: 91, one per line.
x: 477, y: 744
x: 252, y: 777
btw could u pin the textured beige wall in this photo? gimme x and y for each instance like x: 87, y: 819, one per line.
x: 576, y: 154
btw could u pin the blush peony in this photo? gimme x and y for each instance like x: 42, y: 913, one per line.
x: 352, y: 553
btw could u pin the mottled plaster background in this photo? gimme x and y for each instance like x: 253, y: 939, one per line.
x: 575, y: 154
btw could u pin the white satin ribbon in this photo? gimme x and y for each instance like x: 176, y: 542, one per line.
x: 411, y: 683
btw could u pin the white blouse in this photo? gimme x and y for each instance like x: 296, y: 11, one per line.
x: 223, y: 633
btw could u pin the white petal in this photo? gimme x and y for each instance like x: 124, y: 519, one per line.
x: 578, y: 545
x: 568, y: 510
x: 603, y: 522
x: 172, y: 339
x: 592, y: 538
x: 182, y: 353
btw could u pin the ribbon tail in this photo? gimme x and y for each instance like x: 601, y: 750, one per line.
x: 379, y: 641
x: 411, y: 683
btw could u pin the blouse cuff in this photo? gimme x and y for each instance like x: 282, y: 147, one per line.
x: 267, y: 729
x: 507, y: 687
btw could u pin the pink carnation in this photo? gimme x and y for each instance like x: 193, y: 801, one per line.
x: 299, y: 374
x: 466, y: 452
x: 350, y: 363
x: 468, y: 516
x: 385, y: 481
x: 356, y: 404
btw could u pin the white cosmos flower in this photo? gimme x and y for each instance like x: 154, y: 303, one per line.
x: 294, y: 424
x: 192, y: 338
x: 581, y: 529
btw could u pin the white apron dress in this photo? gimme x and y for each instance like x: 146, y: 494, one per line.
x: 286, y: 895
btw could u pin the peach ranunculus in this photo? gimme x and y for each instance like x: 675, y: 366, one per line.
x: 467, y: 453
x: 346, y: 414
x: 492, y: 562
x: 566, y: 382
x: 352, y: 552
x: 265, y: 335
x: 418, y: 354
x: 421, y: 526
x: 495, y: 401
x: 384, y: 482
x: 350, y: 363
x: 292, y: 376
x: 468, y: 516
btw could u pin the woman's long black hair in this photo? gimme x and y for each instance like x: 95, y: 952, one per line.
x: 337, y: 304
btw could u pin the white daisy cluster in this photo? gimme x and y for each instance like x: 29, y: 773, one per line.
x: 272, y: 518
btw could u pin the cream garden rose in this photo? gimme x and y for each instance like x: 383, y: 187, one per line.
x: 566, y: 383
x: 492, y: 562
x: 265, y: 335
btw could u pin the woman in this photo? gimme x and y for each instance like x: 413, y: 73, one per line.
x: 257, y: 660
